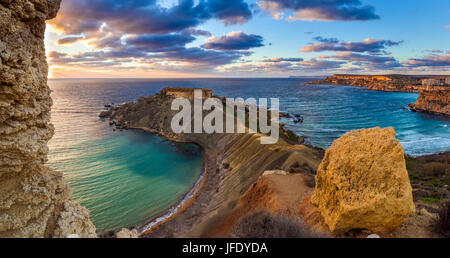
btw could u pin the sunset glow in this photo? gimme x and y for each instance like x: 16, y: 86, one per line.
x: 247, y: 38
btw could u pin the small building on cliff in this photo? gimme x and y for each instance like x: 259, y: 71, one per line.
x: 432, y: 82
x: 187, y: 93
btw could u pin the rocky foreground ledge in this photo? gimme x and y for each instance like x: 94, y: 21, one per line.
x: 362, y: 182
x: 34, y: 200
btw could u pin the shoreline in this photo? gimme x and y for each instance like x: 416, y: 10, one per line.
x: 232, y: 164
x: 149, y: 225
x: 169, y: 214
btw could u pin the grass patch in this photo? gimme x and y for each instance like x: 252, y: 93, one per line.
x: 262, y: 224
x: 428, y: 200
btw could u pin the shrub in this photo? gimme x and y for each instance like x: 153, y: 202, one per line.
x: 262, y: 224
x: 435, y: 168
x: 442, y: 225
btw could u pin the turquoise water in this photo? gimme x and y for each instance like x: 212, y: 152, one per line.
x: 127, y: 177
x: 123, y: 178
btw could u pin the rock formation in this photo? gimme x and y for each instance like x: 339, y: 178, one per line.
x: 362, y: 182
x: 234, y: 162
x: 34, y: 200
x: 433, y: 101
x: 391, y: 82
x: 126, y: 233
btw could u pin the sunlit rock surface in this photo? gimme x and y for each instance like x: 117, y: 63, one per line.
x: 34, y: 200
x: 362, y: 182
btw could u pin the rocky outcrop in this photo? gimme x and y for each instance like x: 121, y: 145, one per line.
x: 34, y: 200
x: 126, y: 233
x: 233, y: 163
x: 362, y: 182
x: 390, y: 83
x: 433, y: 102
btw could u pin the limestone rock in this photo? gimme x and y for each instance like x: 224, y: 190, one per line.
x: 362, y: 182
x: 126, y: 233
x: 74, y: 220
x: 33, y: 197
x: 433, y: 102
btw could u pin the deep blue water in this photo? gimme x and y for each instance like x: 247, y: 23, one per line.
x: 127, y: 177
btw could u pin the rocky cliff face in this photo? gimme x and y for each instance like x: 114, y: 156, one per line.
x: 433, y: 102
x: 389, y: 83
x: 362, y: 182
x: 34, y: 200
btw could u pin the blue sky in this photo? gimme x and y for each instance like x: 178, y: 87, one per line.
x: 254, y: 38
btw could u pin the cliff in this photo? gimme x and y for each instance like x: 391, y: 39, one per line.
x: 433, y: 102
x: 233, y: 163
x: 34, y: 199
x: 390, y: 83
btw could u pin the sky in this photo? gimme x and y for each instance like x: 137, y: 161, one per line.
x: 247, y: 38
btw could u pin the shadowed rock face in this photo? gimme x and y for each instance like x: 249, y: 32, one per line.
x: 362, y: 182
x: 34, y: 200
x: 434, y: 102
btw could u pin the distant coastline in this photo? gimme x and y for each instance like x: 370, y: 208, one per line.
x: 434, y: 91
x: 390, y: 83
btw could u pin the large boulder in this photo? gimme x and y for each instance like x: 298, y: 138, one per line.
x: 362, y: 182
x: 126, y: 233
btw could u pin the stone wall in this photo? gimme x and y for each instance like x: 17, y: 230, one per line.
x: 187, y: 93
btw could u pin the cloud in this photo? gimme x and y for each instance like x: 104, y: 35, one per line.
x: 435, y: 51
x: 367, y: 61
x: 282, y: 59
x: 284, y: 65
x: 322, y: 10
x: 198, y: 55
x: 447, y: 27
x: 236, y: 40
x: 326, y: 40
x: 373, y: 46
x: 123, y: 33
x: 314, y: 64
x: 230, y: 12
x: 158, y: 43
x: 69, y: 40
x: 429, y: 61
x: 145, y: 16
x: 196, y: 32
x: 110, y: 41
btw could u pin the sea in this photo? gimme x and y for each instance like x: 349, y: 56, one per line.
x: 128, y: 177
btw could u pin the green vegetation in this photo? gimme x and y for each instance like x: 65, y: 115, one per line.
x: 262, y: 224
x: 442, y: 225
x: 428, y: 200
x: 429, y: 176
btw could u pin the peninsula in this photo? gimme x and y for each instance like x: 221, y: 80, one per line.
x: 390, y: 82
x: 243, y: 176
x: 434, y: 90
